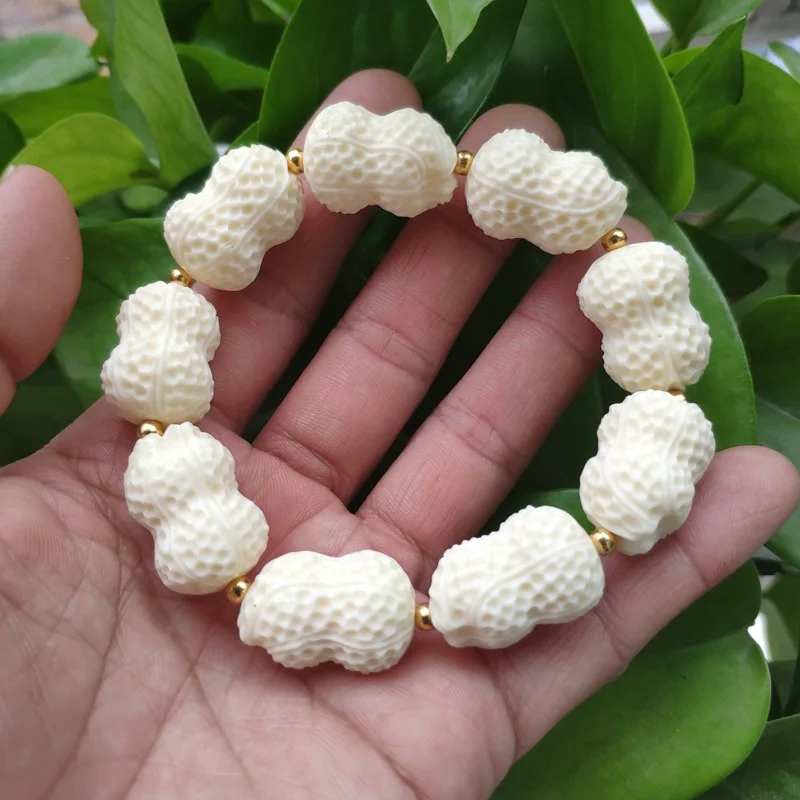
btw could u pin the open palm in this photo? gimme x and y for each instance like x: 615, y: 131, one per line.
x: 112, y: 687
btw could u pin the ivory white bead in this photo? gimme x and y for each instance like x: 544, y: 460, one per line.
x: 250, y: 203
x: 538, y: 567
x: 306, y: 608
x: 159, y: 370
x: 518, y: 188
x: 653, y: 338
x: 181, y: 486
x: 652, y: 449
x: 402, y: 162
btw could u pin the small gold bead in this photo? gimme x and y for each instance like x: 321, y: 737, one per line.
x: 463, y: 162
x: 677, y: 393
x: 422, y: 617
x: 294, y: 160
x: 603, y: 540
x: 180, y: 275
x: 237, y: 589
x: 150, y: 426
x: 614, y: 239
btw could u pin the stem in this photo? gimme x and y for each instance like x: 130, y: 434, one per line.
x: 721, y: 213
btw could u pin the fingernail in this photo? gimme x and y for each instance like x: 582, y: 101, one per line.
x: 7, y: 173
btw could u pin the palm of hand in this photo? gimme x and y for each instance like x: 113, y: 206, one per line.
x: 111, y: 686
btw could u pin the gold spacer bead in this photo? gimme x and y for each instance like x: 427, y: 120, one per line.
x: 150, y: 426
x: 614, y: 239
x: 463, y: 162
x: 603, y: 540
x: 677, y: 393
x: 294, y: 160
x: 237, y: 589
x: 180, y: 275
x: 422, y: 617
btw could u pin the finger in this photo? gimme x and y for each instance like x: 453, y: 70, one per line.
x: 745, y: 495
x: 467, y: 456
x: 375, y: 367
x: 263, y: 326
x: 40, y: 272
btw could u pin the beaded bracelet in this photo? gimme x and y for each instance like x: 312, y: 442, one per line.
x: 360, y: 609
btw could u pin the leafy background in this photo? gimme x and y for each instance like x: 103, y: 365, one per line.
x: 705, y: 137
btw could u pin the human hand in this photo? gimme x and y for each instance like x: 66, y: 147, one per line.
x: 112, y: 686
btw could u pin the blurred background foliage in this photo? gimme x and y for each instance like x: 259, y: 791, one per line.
x: 706, y: 138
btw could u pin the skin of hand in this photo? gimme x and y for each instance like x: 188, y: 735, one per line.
x: 113, y: 687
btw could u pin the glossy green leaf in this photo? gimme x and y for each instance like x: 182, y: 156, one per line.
x: 89, y: 154
x: 736, y: 274
x: 454, y: 91
x: 771, y: 332
x: 228, y: 74
x: 456, y: 19
x: 658, y: 144
x: 725, y: 392
x: 145, y: 61
x: 324, y: 43
x: 774, y: 255
x: 684, y: 714
x: 11, y: 141
x: 118, y: 258
x: 283, y: 9
x: 771, y: 772
x: 713, y: 80
x: 789, y: 56
x: 36, y: 112
x: 756, y: 134
x: 781, y: 674
x: 41, y: 61
x: 690, y: 18
x: 44, y: 404
x: 784, y: 596
x: 228, y: 28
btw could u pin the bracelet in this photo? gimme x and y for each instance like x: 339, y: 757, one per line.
x: 539, y: 566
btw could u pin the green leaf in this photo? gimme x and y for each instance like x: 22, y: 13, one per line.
x: 454, y: 91
x: 684, y: 714
x: 118, y: 258
x: 713, y: 80
x: 793, y: 278
x: 324, y: 43
x: 725, y: 392
x: 11, y: 141
x: 227, y: 27
x: 771, y: 772
x: 282, y: 9
x: 89, y: 154
x: 773, y: 254
x: 456, y: 19
x: 690, y: 18
x: 41, y: 61
x: 36, y: 112
x: 789, y: 56
x: 756, y: 134
x: 784, y: 596
x: 658, y: 144
x: 771, y: 332
x: 145, y: 61
x: 228, y: 74
x: 736, y: 274
x: 43, y: 406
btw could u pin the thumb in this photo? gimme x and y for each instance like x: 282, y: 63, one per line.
x: 40, y: 272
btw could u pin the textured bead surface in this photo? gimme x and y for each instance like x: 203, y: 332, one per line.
x: 250, y: 203
x: 159, y: 370
x: 181, y: 486
x: 653, y: 338
x: 539, y: 566
x: 518, y: 188
x: 652, y: 449
x: 402, y: 162
x: 306, y: 608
